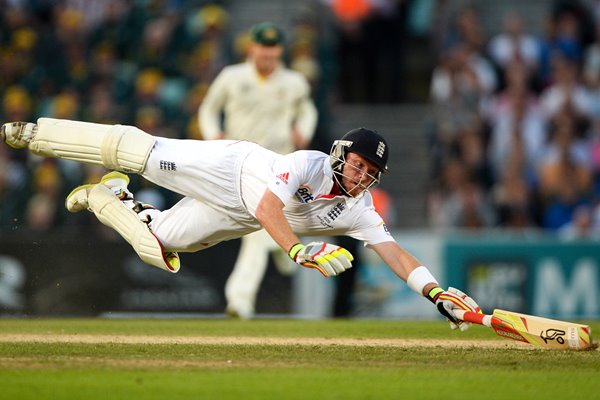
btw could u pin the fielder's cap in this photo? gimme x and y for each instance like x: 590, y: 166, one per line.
x: 267, y: 34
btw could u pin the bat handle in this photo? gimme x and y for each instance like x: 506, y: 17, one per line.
x: 476, y: 318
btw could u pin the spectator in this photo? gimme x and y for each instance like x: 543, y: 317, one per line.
x: 565, y: 173
x: 457, y: 201
x: 517, y: 125
x: 559, y: 210
x: 17, y: 104
x: 370, y: 49
x: 566, y: 90
x: 563, y: 39
x: 565, y: 160
x: 121, y: 26
x: 514, y: 200
x: 101, y: 106
x: 42, y: 210
x: 457, y: 88
x: 470, y: 31
x: 583, y: 225
x: 514, y: 44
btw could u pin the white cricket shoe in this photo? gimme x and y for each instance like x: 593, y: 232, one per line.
x: 77, y: 200
x: 239, y: 311
x: 18, y: 134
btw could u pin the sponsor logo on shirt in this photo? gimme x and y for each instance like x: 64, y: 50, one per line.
x: 385, y: 228
x: 284, y: 177
x: 304, y: 194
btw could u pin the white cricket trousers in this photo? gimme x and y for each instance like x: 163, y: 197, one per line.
x: 207, y: 173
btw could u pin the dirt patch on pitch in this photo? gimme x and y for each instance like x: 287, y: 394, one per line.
x: 259, y: 341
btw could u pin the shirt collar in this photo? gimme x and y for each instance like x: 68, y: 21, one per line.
x: 259, y: 76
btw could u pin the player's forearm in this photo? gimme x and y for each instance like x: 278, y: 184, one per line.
x: 399, y: 260
x: 270, y: 214
x: 407, y: 267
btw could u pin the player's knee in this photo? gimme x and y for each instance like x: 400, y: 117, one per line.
x: 126, y: 148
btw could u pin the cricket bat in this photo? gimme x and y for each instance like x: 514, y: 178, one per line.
x: 541, y: 332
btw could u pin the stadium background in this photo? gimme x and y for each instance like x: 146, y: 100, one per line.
x: 520, y: 239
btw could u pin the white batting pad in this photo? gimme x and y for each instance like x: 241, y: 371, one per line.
x: 117, y: 147
x: 113, y: 213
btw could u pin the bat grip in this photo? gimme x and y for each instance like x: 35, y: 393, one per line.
x: 476, y: 318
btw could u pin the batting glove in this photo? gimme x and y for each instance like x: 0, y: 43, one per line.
x: 452, y: 299
x: 328, y: 259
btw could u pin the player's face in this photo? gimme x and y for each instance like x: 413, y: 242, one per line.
x: 358, y: 174
x: 266, y: 58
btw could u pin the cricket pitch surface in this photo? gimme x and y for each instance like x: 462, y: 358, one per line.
x: 261, y: 341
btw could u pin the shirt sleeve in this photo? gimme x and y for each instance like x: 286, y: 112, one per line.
x: 370, y: 226
x: 288, y: 174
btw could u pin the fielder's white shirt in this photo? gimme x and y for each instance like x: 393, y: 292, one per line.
x: 257, y: 109
x: 224, y: 180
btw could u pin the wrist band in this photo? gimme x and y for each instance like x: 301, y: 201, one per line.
x: 294, y: 250
x: 434, y: 294
x: 419, y: 278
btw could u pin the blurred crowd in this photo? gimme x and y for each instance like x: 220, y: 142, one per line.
x: 146, y: 63
x: 515, y: 141
x: 515, y: 138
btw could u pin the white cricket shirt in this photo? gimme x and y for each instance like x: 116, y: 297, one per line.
x: 257, y: 109
x: 303, y: 181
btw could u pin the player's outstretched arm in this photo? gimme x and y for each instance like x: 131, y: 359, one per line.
x: 327, y: 258
x: 420, y: 279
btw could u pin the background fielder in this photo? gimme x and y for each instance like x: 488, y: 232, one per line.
x: 232, y: 188
x: 265, y: 103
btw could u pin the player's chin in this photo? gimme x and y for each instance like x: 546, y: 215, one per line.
x: 356, y: 191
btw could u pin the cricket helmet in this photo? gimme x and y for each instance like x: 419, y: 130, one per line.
x: 364, y: 142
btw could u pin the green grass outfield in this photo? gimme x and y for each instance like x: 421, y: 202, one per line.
x: 280, y: 359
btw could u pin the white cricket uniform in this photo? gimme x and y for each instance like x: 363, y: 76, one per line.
x: 257, y: 109
x: 224, y: 180
x: 263, y: 110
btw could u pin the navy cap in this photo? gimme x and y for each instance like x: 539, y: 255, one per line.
x: 267, y: 34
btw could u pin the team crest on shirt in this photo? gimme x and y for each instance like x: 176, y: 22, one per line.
x: 332, y: 215
x: 336, y: 211
x: 304, y: 194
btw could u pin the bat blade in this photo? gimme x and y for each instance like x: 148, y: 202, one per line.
x: 541, y: 332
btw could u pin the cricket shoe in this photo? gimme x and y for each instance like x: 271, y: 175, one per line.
x: 239, y: 311
x: 18, y: 135
x: 77, y: 200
